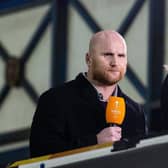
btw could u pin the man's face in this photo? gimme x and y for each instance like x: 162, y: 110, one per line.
x: 108, y: 60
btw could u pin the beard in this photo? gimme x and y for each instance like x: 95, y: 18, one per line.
x: 107, y: 77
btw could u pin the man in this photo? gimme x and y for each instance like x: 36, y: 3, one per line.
x: 73, y: 115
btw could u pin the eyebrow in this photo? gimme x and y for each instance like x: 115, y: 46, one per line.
x: 122, y: 54
x: 107, y: 53
x: 111, y: 53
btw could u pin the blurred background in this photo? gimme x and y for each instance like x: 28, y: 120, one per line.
x: 43, y: 43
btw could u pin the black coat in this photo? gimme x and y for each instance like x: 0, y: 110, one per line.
x: 164, y: 104
x: 71, y: 115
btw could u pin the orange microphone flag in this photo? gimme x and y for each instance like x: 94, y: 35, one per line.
x: 115, y: 110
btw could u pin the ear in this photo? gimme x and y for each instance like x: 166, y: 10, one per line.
x: 88, y: 59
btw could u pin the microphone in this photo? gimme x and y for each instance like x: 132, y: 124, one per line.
x: 115, y: 110
x: 115, y: 114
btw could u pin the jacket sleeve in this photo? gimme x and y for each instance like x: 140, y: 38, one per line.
x: 48, y: 128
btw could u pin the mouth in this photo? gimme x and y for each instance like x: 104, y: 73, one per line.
x: 113, y: 70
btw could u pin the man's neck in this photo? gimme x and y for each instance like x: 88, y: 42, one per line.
x: 105, y: 90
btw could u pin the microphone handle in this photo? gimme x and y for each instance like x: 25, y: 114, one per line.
x: 113, y: 125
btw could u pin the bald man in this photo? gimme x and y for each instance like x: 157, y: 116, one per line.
x: 73, y: 114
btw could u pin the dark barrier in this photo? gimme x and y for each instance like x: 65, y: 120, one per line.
x: 149, y: 153
x: 146, y: 157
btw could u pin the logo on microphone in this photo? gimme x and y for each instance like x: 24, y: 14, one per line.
x: 116, y: 103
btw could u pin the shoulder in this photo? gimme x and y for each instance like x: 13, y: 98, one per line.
x: 66, y: 90
x: 165, y: 83
x: 59, y: 91
x: 131, y: 103
x: 130, y: 100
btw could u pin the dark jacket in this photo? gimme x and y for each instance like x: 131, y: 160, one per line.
x: 71, y: 115
x: 164, y: 104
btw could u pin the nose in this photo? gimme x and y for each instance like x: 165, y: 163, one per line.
x: 113, y: 60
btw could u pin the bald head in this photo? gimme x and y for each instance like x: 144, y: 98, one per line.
x: 105, y: 37
x: 107, y: 58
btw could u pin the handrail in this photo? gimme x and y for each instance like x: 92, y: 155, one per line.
x: 14, y: 136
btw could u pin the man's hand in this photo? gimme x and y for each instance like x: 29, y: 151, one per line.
x: 109, y: 134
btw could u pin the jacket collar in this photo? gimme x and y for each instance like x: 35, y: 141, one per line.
x: 89, y: 91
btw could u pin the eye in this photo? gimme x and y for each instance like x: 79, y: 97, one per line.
x: 121, y: 55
